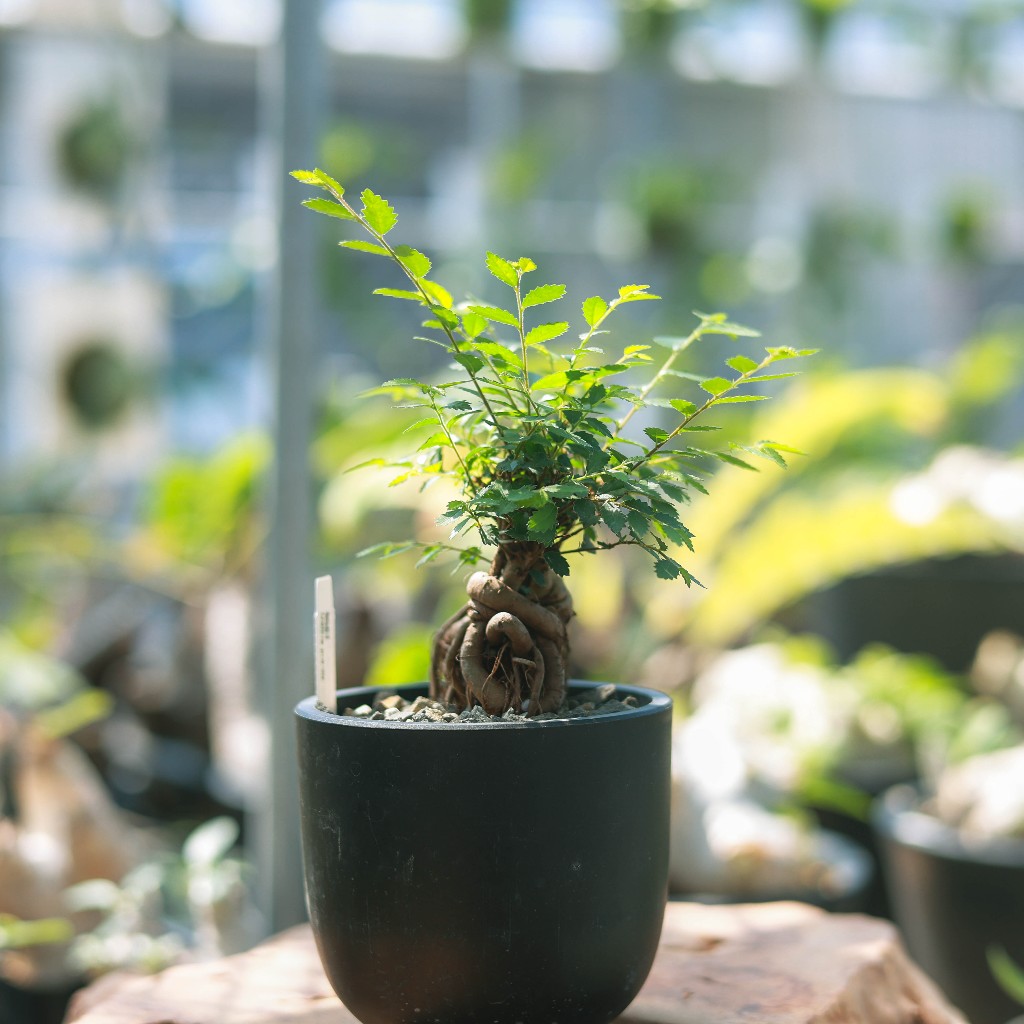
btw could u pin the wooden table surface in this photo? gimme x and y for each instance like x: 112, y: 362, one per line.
x: 774, y: 963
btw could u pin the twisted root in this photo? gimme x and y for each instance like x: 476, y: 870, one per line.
x: 507, y: 642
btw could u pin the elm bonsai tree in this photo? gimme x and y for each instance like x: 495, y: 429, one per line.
x: 535, y: 438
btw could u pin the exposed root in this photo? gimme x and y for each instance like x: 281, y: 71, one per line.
x: 509, y: 641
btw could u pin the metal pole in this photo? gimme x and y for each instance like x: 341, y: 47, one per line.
x: 293, y: 97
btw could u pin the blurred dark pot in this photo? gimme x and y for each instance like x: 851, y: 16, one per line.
x: 34, y: 1006
x: 953, y: 902
x: 942, y: 607
x: 499, y: 873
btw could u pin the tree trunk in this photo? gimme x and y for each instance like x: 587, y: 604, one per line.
x: 508, y: 643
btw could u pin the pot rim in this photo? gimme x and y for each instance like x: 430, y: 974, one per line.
x: 657, y: 702
x: 898, y: 817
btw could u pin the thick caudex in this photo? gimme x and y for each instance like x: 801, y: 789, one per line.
x: 508, y: 643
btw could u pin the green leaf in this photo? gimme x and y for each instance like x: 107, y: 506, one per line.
x: 733, y: 399
x: 542, y: 522
x: 716, y: 323
x: 399, y: 293
x: 496, y: 314
x: 545, y: 332
x: 525, y: 265
x: 502, y: 270
x: 473, y: 325
x: 741, y: 364
x: 1009, y: 974
x: 593, y: 309
x: 413, y: 260
x: 360, y: 246
x: 320, y: 179
x: 682, y: 406
x: 498, y: 352
x: 438, y: 295
x: 543, y: 293
x: 635, y: 293
x: 566, y: 490
x: 454, y: 510
x: 656, y: 434
x: 378, y: 212
x: 733, y: 461
x: 613, y: 519
x: 716, y: 385
x: 667, y: 569
x: 474, y: 364
x: 388, y: 549
x: 557, y: 562
x: 331, y: 209
x: 782, y: 447
x: 788, y: 352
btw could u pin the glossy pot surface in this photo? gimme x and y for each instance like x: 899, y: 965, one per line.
x: 499, y: 873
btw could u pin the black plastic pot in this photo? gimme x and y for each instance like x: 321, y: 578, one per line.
x: 500, y: 873
x: 953, y: 902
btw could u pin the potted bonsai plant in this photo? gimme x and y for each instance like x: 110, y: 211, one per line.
x: 502, y: 855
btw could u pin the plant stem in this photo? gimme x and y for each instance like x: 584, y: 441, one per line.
x: 381, y: 240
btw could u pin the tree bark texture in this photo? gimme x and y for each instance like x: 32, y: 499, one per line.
x: 508, y: 643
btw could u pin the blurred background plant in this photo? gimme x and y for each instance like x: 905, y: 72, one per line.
x: 840, y: 173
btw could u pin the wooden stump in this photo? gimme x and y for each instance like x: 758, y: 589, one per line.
x: 774, y: 963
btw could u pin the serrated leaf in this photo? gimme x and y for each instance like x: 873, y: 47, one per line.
x: 328, y: 207
x: 732, y: 460
x: 399, y: 293
x: 788, y: 352
x: 429, y: 554
x: 496, y: 314
x: 774, y: 376
x: 545, y: 332
x: 413, y: 260
x: 557, y: 562
x: 328, y: 182
x: 473, y: 325
x: 614, y: 520
x: 432, y: 420
x: 635, y: 293
x: 437, y: 294
x: 741, y: 364
x: 733, y: 399
x: 360, y: 246
x: 525, y: 264
x: 378, y: 212
x: 716, y: 385
x: 503, y: 355
x: 453, y: 511
x: 502, y: 270
x: 542, y: 522
x: 593, y: 309
x: 667, y: 569
x: 566, y: 490
x: 472, y: 363
x: 717, y: 324
x: 656, y: 434
x: 320, y: 179
x: 682, y: 406
x: 543, y: 293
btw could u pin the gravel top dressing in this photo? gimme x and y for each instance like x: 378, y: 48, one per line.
x: 390, y: 706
